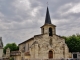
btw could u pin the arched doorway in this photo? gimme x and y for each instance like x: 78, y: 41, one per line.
x: 50, y: 54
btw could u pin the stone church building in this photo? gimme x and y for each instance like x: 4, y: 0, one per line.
x: 46, y: 45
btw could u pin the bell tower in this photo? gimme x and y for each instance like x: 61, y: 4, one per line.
x: 48, y: 27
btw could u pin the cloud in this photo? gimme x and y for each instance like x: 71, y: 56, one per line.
x: 22, y: 19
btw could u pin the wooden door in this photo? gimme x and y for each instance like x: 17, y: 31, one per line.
x: 50, y: 54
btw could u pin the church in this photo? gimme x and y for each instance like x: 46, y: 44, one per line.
x: 47, y: 45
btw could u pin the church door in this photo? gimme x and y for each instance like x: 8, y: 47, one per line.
x: 50, y: 54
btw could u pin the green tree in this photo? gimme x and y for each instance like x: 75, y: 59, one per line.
x: 73, y: 43
x: 12, y: 46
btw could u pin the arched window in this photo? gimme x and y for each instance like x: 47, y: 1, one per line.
x: 50, y: 31
x: 50, y: 54
x: 28, y: 46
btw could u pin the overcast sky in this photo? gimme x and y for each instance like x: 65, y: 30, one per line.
x: 22, y: 19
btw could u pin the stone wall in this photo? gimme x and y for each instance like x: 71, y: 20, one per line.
x: 45, y: 44
x: 1, y: 52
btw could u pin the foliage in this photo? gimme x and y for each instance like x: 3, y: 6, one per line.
x: 73, y: 43
x: 12, y: 46
x: 11, y: 58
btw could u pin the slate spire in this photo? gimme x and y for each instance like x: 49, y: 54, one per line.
x: 47, y: 19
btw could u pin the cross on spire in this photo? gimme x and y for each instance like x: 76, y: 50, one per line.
x: 47, y: 19
x: 47, y: 3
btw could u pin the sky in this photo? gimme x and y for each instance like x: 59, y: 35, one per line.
x: 22, y: 19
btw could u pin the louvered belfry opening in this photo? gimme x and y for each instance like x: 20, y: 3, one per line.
x: 50, y: 31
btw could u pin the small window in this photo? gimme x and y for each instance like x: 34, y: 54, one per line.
x: 74, y: 55
x: 43, y: 30
x: 50, y: 31
x: 50, y: 42
x: 28, y: 46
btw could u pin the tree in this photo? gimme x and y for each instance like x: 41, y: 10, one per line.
x: 73, y: 43
x: 12, y: 46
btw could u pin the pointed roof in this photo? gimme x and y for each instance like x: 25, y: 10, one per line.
x: 1, y: 43
x: 47, y: 19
